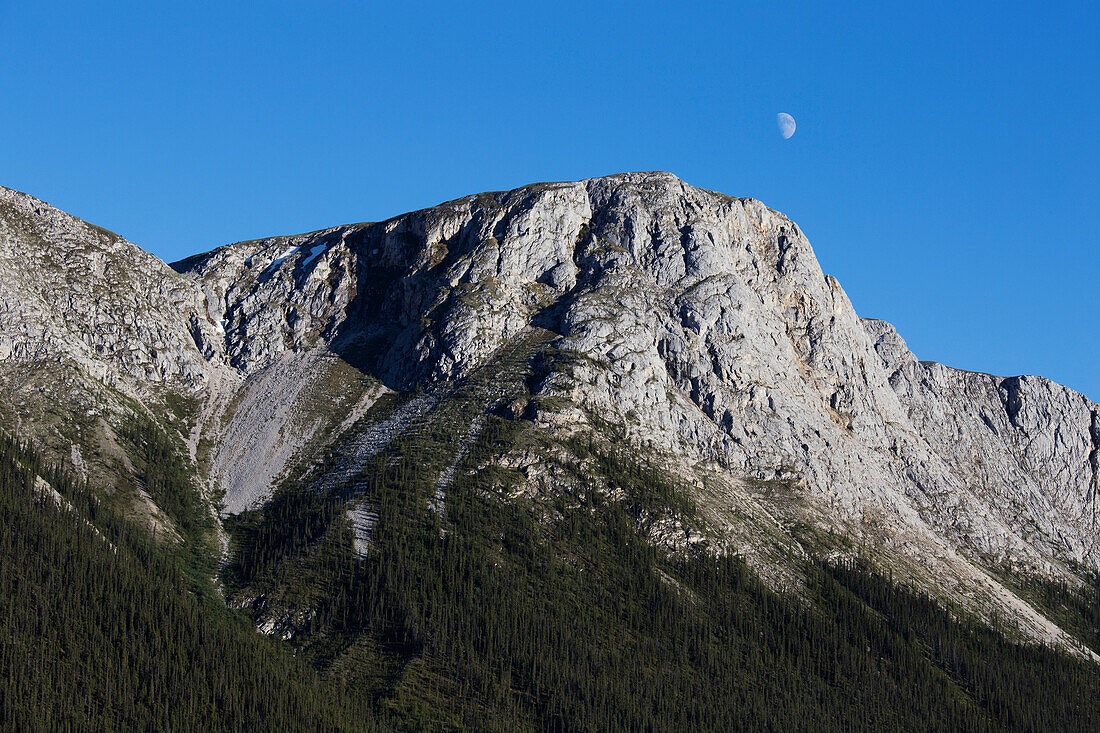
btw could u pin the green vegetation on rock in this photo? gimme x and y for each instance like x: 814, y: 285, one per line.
x: 556, y: 612
x: 99, y: 629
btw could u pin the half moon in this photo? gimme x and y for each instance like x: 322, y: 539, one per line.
x: 786, y: 125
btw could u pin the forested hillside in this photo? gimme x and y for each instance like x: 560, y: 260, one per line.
x: 487, y: 619
x: 99, y: 630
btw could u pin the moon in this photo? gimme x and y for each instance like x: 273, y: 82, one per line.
x: 786, y: 125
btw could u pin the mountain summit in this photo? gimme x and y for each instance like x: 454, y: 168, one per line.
x: 692, y: 329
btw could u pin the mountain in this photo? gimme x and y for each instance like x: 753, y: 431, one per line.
x: 626, y: 347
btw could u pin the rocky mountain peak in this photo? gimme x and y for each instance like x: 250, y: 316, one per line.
x: 699, y: 326
x: 523, y: 250
x: 705, y: 317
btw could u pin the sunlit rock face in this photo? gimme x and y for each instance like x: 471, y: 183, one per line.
x: 1025, y: 446
x: 705, y: 318
x: 700, y: 324
x: 75, y: 292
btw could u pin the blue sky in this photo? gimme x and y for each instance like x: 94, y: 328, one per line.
x: 946, y: 165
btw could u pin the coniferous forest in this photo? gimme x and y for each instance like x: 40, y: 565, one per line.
x: 488, y: 615
x: 99, y: 630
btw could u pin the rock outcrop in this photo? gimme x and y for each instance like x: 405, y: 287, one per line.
x: 708, y: 321
x: 73, y: 291
x: 1024, y: 447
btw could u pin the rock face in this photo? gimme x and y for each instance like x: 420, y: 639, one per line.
x: 704, y: 318
x: 78, y: 293
x: 700, y: 324
x: 1024, y: 447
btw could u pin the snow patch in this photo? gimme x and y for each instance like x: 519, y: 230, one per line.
x: 278, y: 260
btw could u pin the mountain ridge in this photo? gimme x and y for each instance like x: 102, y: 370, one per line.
x: 699, y: 326
x: 188, y: 262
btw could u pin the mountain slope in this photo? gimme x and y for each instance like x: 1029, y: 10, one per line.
x: 632, y: 311
x: 703, y: 328
x: 97, y: 338
x: 101, y: 632
x: 1027, y: 446
x: 74, y: 292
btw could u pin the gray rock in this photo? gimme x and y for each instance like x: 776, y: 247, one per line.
x: 700, y: 324
x: 78, y: 293
x: 707, y: 318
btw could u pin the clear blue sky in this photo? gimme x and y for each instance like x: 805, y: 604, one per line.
x: 945, y: 167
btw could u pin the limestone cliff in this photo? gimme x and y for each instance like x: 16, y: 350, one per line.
x: 700, y: 327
